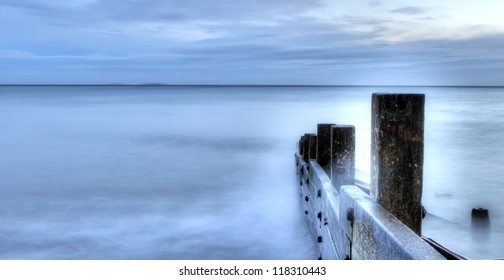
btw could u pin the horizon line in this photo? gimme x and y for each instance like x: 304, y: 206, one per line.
x: 236, y: 85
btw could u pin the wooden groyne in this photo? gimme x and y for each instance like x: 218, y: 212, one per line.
x: 350, y: 220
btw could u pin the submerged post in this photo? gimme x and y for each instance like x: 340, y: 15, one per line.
x: 397, y: 137
x: 342, y: 155
x: 324, y: 146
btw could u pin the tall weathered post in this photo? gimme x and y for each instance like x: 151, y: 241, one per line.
x: 397, y: 137
x: 324, y: 146
x: 342, y: 155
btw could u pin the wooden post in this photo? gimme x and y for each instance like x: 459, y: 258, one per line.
x: 312, y: 151
x: 324, y: 146
x: 342, y: 155
x: 301, y: 145
x: 306, y: 147
x: 397, y: 137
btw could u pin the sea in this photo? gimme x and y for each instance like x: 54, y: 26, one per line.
x: 208, y: 172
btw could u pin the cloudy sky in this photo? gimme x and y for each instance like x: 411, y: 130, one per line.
x: 338, y: 42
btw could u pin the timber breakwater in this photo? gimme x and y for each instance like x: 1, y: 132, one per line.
x: 352, y: 220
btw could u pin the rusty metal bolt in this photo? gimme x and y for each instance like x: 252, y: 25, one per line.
x: 350, y: 214
x: 424, y: 212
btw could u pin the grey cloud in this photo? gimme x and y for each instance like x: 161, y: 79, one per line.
x: 291, y: 44
x: 364, y: 20
x: 317, y: 49
x: 42, y: 7
x: 221, y: 10
x: 28, y: 4
x: 375, y: 3
x: 106, y: 11
x: 493, y: 43
x: 427, y: 18
x: 236, y: 61
x: 410, y: 10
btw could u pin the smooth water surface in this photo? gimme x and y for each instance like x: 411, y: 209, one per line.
x: 153, y: 172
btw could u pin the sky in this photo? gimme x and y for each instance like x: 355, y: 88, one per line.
x: 252, y: 42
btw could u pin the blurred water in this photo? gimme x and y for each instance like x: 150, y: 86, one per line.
x: 208, y: 172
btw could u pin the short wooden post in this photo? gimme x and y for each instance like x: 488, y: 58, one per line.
x: 306, y: 147
x: 342, y: 155
x: 324, y: 146
x: 300, y: 145
x: 397, y: 137
x: 312, y: 151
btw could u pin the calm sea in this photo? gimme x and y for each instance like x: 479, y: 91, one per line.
x: 153, y: 172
